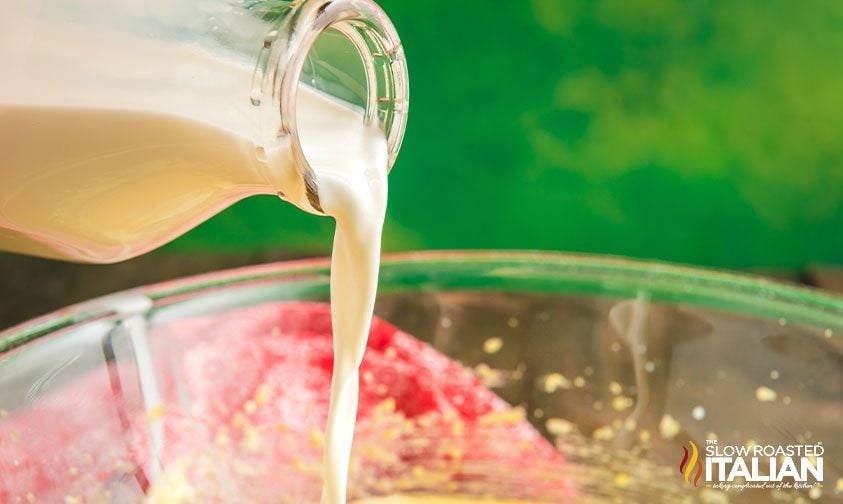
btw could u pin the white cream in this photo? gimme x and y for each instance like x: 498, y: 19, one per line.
x: 357, y: 199
x: 351, y: 173
x: 108, y: 151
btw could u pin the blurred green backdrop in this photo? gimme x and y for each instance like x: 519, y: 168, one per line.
x: 706, y: 132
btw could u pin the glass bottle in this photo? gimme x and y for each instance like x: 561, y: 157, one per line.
x: 125, y: 123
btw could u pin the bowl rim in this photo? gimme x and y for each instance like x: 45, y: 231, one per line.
x: 624, y: 272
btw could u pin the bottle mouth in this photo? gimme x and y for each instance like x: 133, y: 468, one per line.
x: 373, y: 76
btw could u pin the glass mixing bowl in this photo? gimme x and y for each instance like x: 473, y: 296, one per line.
x: 636, y: 372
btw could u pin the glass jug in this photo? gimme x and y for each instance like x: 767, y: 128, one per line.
x: 125, y: 123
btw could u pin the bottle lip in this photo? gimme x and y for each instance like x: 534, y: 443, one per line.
x: 286, y: 48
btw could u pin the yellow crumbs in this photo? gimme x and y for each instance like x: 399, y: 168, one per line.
x: 552, y: 382
x: 155, y: 413
x: 492, y: 345
x: 765, y: 394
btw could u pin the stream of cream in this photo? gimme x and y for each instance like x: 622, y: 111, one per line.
x: 352, y: 184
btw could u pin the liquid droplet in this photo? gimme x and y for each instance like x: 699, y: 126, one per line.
x: 255, y: 97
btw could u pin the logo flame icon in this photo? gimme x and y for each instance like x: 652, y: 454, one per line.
x: 686, y: 467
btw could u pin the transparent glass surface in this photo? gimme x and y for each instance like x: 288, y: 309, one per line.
x: 620, y: 364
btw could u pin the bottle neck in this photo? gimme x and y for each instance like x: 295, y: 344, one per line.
x: 346, y: 49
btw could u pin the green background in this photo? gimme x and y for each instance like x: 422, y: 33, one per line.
x: 693, y: 131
